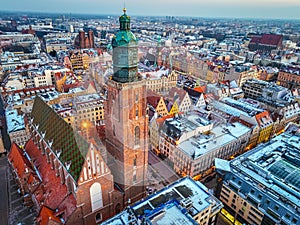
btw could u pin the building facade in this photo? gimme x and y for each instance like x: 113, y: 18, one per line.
x: 126, y: 117
x: 184, y: 202
x: 58, y: 169
x: 289, y: 77
x: 261, y: 186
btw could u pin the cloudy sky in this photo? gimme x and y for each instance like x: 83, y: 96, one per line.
x: 285, y: 9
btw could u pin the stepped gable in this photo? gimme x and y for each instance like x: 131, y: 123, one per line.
x: 72, y: 147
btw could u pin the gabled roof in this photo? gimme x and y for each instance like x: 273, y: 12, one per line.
x: 153, y: 100
x: 177, y: 94
x: 161, y: 120
x: 51, y: 193
x: 264, y: 118
x: 271, y: 39
x: 46, y: 215
x: 69, y: 143
x: 87, y: 84
x: 267, y: 39
x: 19, y: 161
x: 193, y: 92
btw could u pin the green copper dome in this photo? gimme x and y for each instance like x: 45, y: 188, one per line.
x: 125, y: 52
x: 124, y: 21
x: 124, y: 36
x: 124, y: 17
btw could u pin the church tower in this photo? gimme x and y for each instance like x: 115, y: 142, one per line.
x: 126, y: 118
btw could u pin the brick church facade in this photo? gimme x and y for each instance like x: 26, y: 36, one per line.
x: 72, y: 180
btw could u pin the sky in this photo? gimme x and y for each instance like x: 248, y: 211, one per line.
x: 282, y: 9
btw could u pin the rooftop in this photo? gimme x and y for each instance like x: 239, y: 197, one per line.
x: 174, y: 204
x: 14, y: 121
x: 218, y: 137
x: 69, y: 146
x: 270, y: 171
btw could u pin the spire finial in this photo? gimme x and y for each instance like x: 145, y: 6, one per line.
x: 124, y: 9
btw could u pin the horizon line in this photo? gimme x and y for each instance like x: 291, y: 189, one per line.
x: 139, y: 15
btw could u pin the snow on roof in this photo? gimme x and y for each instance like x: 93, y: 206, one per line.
x: 185, y: 188
x: 218, y: 137
x: 275, y: 165
x: 172, y: 214
x: 120, y: 219
x: 155, y: 74
x: 14, y: 121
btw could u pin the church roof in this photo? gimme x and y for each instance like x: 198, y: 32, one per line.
x: 123, y: 37
x: 68, y: 142
x: 18, y: 160
x: 52, y: 193
x: 124, y: 17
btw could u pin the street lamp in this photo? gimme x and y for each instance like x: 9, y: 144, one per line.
x: 85, y: 125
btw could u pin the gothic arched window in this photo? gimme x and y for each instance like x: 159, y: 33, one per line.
x: 137, y: 136
x: 96, y: 196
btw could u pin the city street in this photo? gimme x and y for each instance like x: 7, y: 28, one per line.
x: 5, y: 137
x: 162, y: 174
x: 3, y: 192
x: 222, y: 220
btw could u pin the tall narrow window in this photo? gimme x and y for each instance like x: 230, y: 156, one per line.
x: 136, y: 97
x: 134, y: 176
x: 137, y: 136
x: 137, y: 112
x: 96, y: 196
x: 134, y: 161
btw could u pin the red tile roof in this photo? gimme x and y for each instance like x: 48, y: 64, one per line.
x: 51, y: 192
x: 161, y: 120
x: 46, y: 215
x: 177, y: 93
x: 271, y: 39
x: 267, y: 39
x: 87, y: 83
x: 201, y: 89
x: 263, y: 118
x: 153, y: 100
x: 19, y: 161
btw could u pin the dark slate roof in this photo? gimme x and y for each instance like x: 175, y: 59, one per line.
x: 72, y: 146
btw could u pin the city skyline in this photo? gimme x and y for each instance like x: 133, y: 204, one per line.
x: 278, y: 9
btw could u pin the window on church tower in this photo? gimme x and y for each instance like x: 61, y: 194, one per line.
x: 136, y: 97
x: 137, y: 112
x: 134, y: 161
x: 137, y: 136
